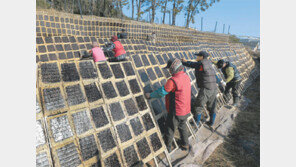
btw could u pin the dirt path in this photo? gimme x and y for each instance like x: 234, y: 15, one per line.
x: 242, y: 146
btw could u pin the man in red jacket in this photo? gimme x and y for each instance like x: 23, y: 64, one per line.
x: 177, y: 92
x: 119, y: 52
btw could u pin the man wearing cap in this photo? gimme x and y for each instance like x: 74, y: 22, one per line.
x: 206, y: 81
x: 117, y: 48
x: 233, y: 80
x: 177, y: 92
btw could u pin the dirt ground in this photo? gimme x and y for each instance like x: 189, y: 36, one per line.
x: 242, y: 146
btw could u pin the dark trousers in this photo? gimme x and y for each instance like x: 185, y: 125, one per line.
x: 118, y: 58
x: 172, y: 122
x: 205, y: 97
x: 234, y: 85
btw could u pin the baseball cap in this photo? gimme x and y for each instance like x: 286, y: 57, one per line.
x: 204, y: 54
x: 220, y: 63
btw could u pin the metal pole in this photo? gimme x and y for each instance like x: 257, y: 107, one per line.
x: 201, y: 24
x: 65, y: 6
x: 215, y: 26
x: 228, y: 29
x: 72, y: 6
x: 80, y: 8
x: 92, y: 7
x: 170, y: 17
x: 223, y: 28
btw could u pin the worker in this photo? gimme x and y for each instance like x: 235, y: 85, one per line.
x: 233, y: 80
x: 206, y: 81
x: 152, y: 37
x: 177, y: 92
x: 122, y: 35
x: 96, y: 53
x: 119, y: 52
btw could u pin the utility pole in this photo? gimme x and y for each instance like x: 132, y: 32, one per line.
x: 215, y: 26
x: 223, y: 28
x: 72, y: 7
x: 170, y: 17
x: 228, y: 29
x: 65, y: 6
x: 80, y: 8
x: 201, y: 24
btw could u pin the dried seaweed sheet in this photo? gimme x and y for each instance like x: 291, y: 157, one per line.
x: 117, y: 71
x: 68, y: 155
x: 130, y: 106
x: 130, y: 155
x: 106, y: 139
x: 141, y: 103
x: 105, y: 70
x: 53, y: 99
x: 92, y: 92
x: 99, y: 117
x: 88, y: 147
x: 75, y: 95
x: 123, y: 132
x: 122, y: 88
x: 50, y: 73
x: 143, y: 148
x: 109, y: 90
x: 136, y: 126
x: 69, y: 72
x: 155, y: 142
x: 134, y: 86
x: 116, y: 111
x: 148, y: 122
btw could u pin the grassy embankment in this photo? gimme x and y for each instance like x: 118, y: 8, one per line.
x: 242, y: 146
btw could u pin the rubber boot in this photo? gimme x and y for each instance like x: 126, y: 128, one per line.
x: 212, y: 120
x: 197, y: 119
x: 235, y: 101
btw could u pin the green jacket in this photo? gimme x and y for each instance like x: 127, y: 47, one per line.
x: 229, y: 71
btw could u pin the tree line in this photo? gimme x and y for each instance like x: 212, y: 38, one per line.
x: 113, y: 8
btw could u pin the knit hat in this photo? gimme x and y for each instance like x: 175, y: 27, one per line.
x: 174, y: 65
x: 114, y: 38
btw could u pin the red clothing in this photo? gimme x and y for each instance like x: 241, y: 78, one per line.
x: 119, y: 50
x: 179, y: 98
x: 170, y: 86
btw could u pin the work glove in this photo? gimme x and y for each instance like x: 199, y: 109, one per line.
x: 147, y: 95
x: 223, y: 83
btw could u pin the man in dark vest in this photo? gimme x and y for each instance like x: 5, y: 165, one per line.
x: 206, y: 81
x: 122, y: 35
x: 177, y: 92
x: 233, y: 80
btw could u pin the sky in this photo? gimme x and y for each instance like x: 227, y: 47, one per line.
x: 243, y: 16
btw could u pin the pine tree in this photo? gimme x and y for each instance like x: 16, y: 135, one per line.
x: 177, y: 8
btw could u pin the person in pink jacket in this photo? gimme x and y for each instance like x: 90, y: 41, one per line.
x: 97, y: 53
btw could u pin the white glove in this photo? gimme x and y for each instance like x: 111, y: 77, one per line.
x: 223, y: 83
